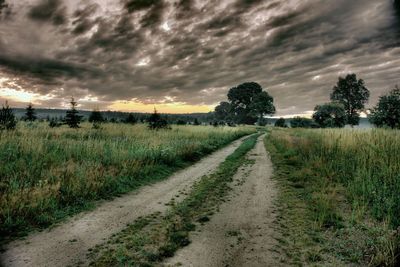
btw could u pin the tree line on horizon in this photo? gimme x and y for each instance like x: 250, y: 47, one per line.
x: 249, y: 104
x: 73, y: 118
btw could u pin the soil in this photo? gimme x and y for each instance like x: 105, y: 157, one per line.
x: 242, y: 232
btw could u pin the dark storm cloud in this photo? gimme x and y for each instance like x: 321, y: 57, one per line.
x: 3, y: 5
x: 194, y: 51
x: 155, y: 9
x: 82, y: 19
x: 184, y: 9
x: 49, y: 11
x: 5, y: 10
x: 48, y: 70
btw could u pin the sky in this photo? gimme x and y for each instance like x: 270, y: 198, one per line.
x: 183, y: 56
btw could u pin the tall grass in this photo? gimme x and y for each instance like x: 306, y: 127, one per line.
x: 366, y: 162
x: 347, y: 177
x: 46, y: 174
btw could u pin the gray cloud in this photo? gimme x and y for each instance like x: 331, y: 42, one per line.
x: 3, y: 5
x: 48, y: 11
x: 194, y: 51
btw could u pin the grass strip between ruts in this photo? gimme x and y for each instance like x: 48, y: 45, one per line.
x: 149, y: 240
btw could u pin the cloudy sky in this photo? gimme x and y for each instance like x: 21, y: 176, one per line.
x: 184, y: 55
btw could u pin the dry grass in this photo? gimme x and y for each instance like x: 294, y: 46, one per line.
x: 341, y: 189
x: 46, y: 174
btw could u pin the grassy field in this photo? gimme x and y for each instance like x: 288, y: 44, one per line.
x: 340, y: 195
x: 47, y: 174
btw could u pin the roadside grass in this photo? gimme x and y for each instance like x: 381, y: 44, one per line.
x: 47, y: 173
x: 149, y: 240
x: 339, y: 196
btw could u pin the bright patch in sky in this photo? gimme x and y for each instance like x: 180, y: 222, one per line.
x: 166, y: 26
x: 19, y: 95
x: 143, y: 62
x: 134, y: 106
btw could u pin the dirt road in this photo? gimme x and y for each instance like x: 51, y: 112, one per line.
x: 68, y: 243
x: 241, y: 234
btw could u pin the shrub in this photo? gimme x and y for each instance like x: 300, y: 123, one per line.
x: 281, y: 123
x: 131, y: 119
x: 299, y: 122
x: 330, y: 115
x: 7, y: 118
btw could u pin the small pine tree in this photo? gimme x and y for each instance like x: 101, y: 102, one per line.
x: 196, y: 122
x: 131, y: 119
x: 72, y: 118
x: 96, y: 116
x: 156, y: 122
x: 30, y: 114
x: 7, y: 118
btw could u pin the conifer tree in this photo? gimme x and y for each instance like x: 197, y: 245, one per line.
x: 156, y: 122
x: 72, y: 118
x: 30, y: 114
x: 96, y: 116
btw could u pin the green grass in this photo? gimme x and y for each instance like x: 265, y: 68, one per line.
x: 147, y: 241
x: 339, y: 198
x: 47, y: 174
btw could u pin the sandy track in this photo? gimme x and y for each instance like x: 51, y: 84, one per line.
x: 241, y: 233
x: 67, y: 244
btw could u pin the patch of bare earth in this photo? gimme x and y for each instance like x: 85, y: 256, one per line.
x: 68, y: 243
x: 242, y: 232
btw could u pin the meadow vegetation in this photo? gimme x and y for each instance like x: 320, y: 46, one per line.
x: 49, y: 173
x: 339, y: 195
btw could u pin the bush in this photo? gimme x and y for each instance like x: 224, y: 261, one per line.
x: 7, y: 118
x: 181, y: 122
x: 54, y: 123
x: 281, y: 123
x: 299, y: 122
x: 330, y: 115
x: 131, y: 119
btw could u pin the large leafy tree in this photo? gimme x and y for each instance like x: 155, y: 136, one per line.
x: 72, y: 118
x: 353, y: 95
x: 247, y: 103
x: 223, y: 111
x: 387, y: 111
x: 241, y: 97
x: 330, y: 115
x: 262, y: 105
x: 30, y: 114
x: 7, y: 118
